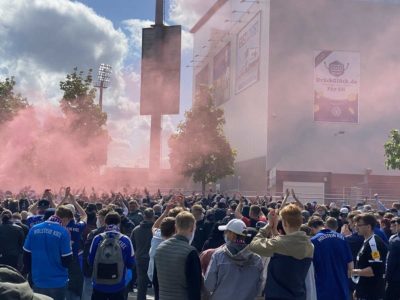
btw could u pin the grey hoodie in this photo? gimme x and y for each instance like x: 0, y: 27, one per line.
x: 234, y: 273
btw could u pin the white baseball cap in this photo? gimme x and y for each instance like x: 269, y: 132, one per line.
x: 236, y: 226
x: 344, y: 210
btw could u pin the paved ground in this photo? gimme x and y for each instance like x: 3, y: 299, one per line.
x: 132, y: 296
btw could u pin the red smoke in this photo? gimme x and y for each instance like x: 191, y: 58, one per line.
x: 38, y: 150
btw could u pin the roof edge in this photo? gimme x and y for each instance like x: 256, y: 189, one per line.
x: 217, y: 5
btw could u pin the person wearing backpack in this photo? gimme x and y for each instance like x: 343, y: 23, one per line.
x: 111, y: 253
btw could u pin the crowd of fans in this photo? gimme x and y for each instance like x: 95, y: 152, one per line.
x: 78, y: 245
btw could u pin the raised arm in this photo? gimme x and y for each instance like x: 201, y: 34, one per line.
x: 284, y: 202
x: 79, y: 208
x: 298, y: 203
x: 157, y: 223
x: 238, y: 211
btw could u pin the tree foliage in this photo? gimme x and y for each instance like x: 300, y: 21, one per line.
x: 392, y: 150
x: 200, y: 149
x: 85, y: 118
x: 10, y: 103
x: 78, y: 103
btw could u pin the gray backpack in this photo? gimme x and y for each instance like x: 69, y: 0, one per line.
x: 108, y: 266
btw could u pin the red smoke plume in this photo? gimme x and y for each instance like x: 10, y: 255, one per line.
x: 38, y: 150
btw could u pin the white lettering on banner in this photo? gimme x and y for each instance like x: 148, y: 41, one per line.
x: 336, y: 86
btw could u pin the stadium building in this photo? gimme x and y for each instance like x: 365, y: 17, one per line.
x: 310, y: 90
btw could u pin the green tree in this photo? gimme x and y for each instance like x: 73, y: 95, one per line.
x: 200, y: 149
x: 10, y: 103
x: 84, y: 116
x: 392, y: 150
x: 78, y: 103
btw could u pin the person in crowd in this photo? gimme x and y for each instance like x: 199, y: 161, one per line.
x: 38, y: 210
x: 369, y: 271
x: 234, y: 271
x: 354, y: 240
x: 171, y: 212
x: 322, y: 211
x: 24, y: 218
x: 91, y: 223
x: 293, y: 251
x: 48, y: 254
x: 134, y: 215
x: 255, y: 214
x: 87, y: 269
x: 17, y: 220
x: 178, y: 256
x: 385, y: 227
x: 110, y: 255
x: 201, y: 234
x: 11, y: 241
x: 141, y: 241
x: 167, y: 229
x: 332, y: 223
x: 393, y: 265
x: 332, y: 260
x: 75, y: 228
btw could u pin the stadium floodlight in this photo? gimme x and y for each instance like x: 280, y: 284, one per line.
x: 103, y: 81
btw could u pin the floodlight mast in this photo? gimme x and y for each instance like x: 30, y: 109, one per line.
x: 103, y: 79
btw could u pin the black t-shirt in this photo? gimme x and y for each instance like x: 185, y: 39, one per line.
x: 372, y: 288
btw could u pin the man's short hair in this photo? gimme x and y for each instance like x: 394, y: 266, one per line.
x: 255, y: 209
x: 353, y: 214
x: 315, y: 222
x: 104, y: 211
x: 175, y: 211
x: 133, y: 202
x: 148, y: 213
x: 64, y: 212
x: 291, y: 214
x: 112, y: 218
x: 332, y: 223
x: 16, y: 216
x: 184, y: 221
x: 167, y: 227
x: 6, y: 215
x: 367, y: 219
x: 197, y: 209
x: 306, y: 229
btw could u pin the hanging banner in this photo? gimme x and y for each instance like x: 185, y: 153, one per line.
x: 336, y: 86
x: 248, y: 54
x: 222, y: 75
x: 202, y: 84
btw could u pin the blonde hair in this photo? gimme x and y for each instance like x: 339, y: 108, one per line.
x: 184, y: 221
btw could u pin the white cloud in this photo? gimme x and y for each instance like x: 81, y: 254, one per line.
x: 188, y: 12
x: 45, y: 39
x: 134, y: 28
x: 42, y: 40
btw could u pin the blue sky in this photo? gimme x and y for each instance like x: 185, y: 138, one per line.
x: 119, y: 10
x: 46, y: 39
